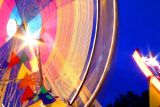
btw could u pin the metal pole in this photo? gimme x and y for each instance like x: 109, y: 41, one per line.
x: 40, y: 67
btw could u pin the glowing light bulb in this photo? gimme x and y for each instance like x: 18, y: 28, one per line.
x: 11, y: 28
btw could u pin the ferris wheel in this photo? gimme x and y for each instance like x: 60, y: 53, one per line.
x: 55, y: 51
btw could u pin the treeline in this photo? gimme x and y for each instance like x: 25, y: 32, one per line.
x: 131, y: 99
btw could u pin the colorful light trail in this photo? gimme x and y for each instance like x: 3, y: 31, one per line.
x: 69, y: 43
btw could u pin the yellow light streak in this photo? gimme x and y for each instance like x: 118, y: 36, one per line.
x: 141, y: 64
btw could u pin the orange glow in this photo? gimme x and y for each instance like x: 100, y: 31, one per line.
x: 1, y: 1
x: 138, y: 59
x: 154, y: 96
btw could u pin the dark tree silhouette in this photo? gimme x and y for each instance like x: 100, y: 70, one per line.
x: 131, y: 100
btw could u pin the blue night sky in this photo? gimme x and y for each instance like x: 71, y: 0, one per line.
x: 139, y: 23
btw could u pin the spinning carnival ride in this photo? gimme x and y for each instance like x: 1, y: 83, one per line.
x: 150, y: 66
x: 55, y: 48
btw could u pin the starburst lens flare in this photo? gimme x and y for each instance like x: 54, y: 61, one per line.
x: 150, y: 66
x: 30, y: 41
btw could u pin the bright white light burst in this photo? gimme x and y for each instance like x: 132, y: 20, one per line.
x: 151, y: 61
